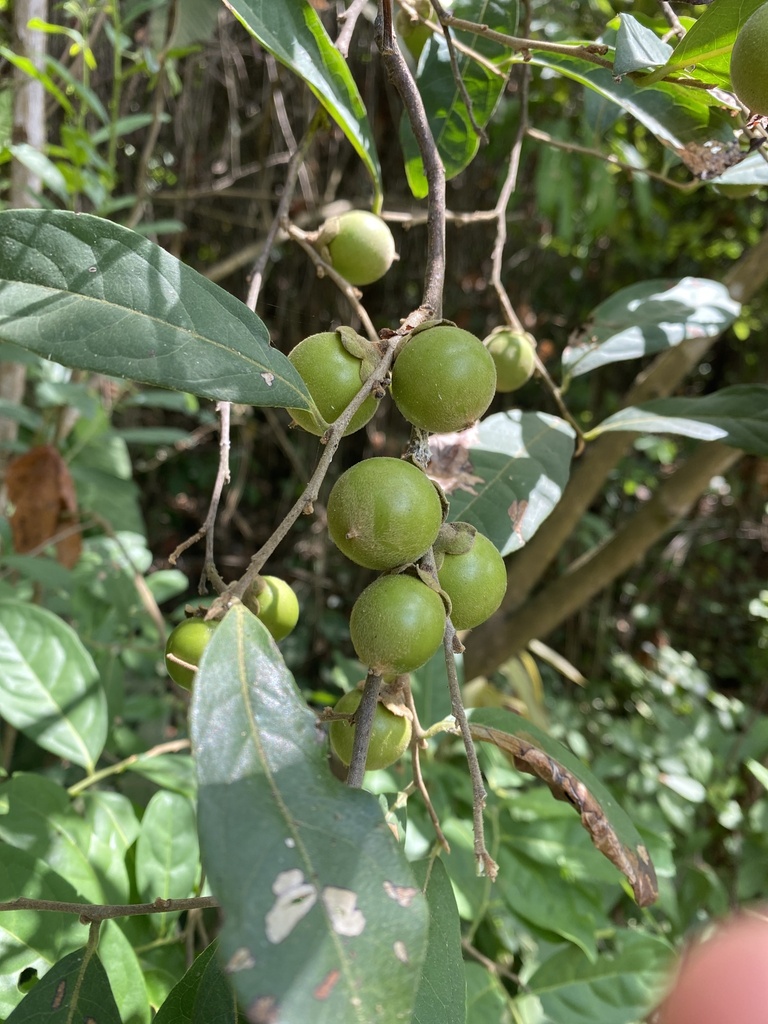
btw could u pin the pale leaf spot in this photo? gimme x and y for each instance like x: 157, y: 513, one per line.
x: 346, y: 917
x: 295, y: 899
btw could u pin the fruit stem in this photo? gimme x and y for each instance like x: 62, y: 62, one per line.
x: 366, y: 711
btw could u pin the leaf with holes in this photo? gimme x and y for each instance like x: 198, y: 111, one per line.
x: 76, y: 988
x: 323, y: 920
x: 95, y: 296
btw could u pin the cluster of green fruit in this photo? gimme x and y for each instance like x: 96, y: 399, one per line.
x: 270, y: 599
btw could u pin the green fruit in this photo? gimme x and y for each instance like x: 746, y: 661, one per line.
x: 390, y: 734
x: 514, y: 353
x: 475, y: 582
x: 187, y: 642
x: 749, y: 68
x: 383, y: 513
x: 332, y: 376
x: 397, y: 624
x: 363, y: 248
x: 275, y: 605
x: 443, y: 379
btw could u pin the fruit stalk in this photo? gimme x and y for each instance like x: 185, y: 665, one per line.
x: 363, y: 724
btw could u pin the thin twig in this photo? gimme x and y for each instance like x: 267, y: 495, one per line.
x: 171, y: 747
x: 90, y: 912
x: 402, y: 79
x: 672, y: 19
x: 349, y: 18
x: 457, y: 76
x: 142, y: 174
x: 418, y: 779
x: 486, y: 865
x: 291, y: 178
x: 364, y: 716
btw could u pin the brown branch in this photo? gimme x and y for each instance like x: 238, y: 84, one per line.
x: 457, y: 76
x: 402, y: 79
x: 90, y: 912
x: 364, y: 716
x: 349, y: 19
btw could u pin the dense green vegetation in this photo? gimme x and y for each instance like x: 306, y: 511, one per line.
x: 174, y: 180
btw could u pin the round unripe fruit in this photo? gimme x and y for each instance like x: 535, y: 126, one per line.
x: 443, y: 379
x: 187, y: 641
x: 390, y: 734
x: 276, y: 606
x: 513, y: 352
x: 332, y: 376
x: 475, y: 582
x: 397, y: 624
x: 383, y: 513
x: 749, y: 70
x: 363, y: 249
x: 736, y: 191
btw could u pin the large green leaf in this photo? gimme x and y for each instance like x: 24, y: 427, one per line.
x: 49, y: 686
x: 167, y: 855
x: 292, y: 31
x: 126, y: 978
x: 618, y: 988
x: 570, y: 779
x: 32, y: 942
x: 707, y: 44
x: 93, y: 295
x: 442, y: 994
x: 449, y: 119
x: 505, y: 476
x: 648, y: 317
x: 76, y: 988
x: 202, y: 996
x: 113, y: 829
x: 323, y: 920
x: 675, y: 114
x: 737, y: 415
x: 41, y: 820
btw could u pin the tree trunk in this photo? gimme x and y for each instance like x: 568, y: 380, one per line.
x: 28, y: 130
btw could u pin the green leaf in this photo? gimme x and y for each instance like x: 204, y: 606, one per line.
x: 515, y: 468
x: 294, y: 34
x: 647, y: 318
x: 456, y: 138
x: 171, y: 771
x: 617, y: 988
x: 114, y: 827
x: 323, y: 920
x: 202, y: 996
x: 570, y: 779
x: 126, y: 978
x: 40, y: 819
x: 167, y: 854
x: 638, y: 46
x: 76, y: 988
x: 93, y: 295
x: 737, y: 415
x: 31, y: 941
x: 442, y: 994
x: 487, y: 1001
x: 49, y: 686
x: 708, y: 44
x: 675, y: 114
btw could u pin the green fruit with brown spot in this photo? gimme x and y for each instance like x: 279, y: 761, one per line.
x: 383, y: 513
x: 332, y: 376
x: 475, y: 581
x: 443, y: 379
x: 397, y: 624
x: 390, y: 734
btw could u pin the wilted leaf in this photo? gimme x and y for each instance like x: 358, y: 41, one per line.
x: 42, y: 493
x: 569, y: 779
